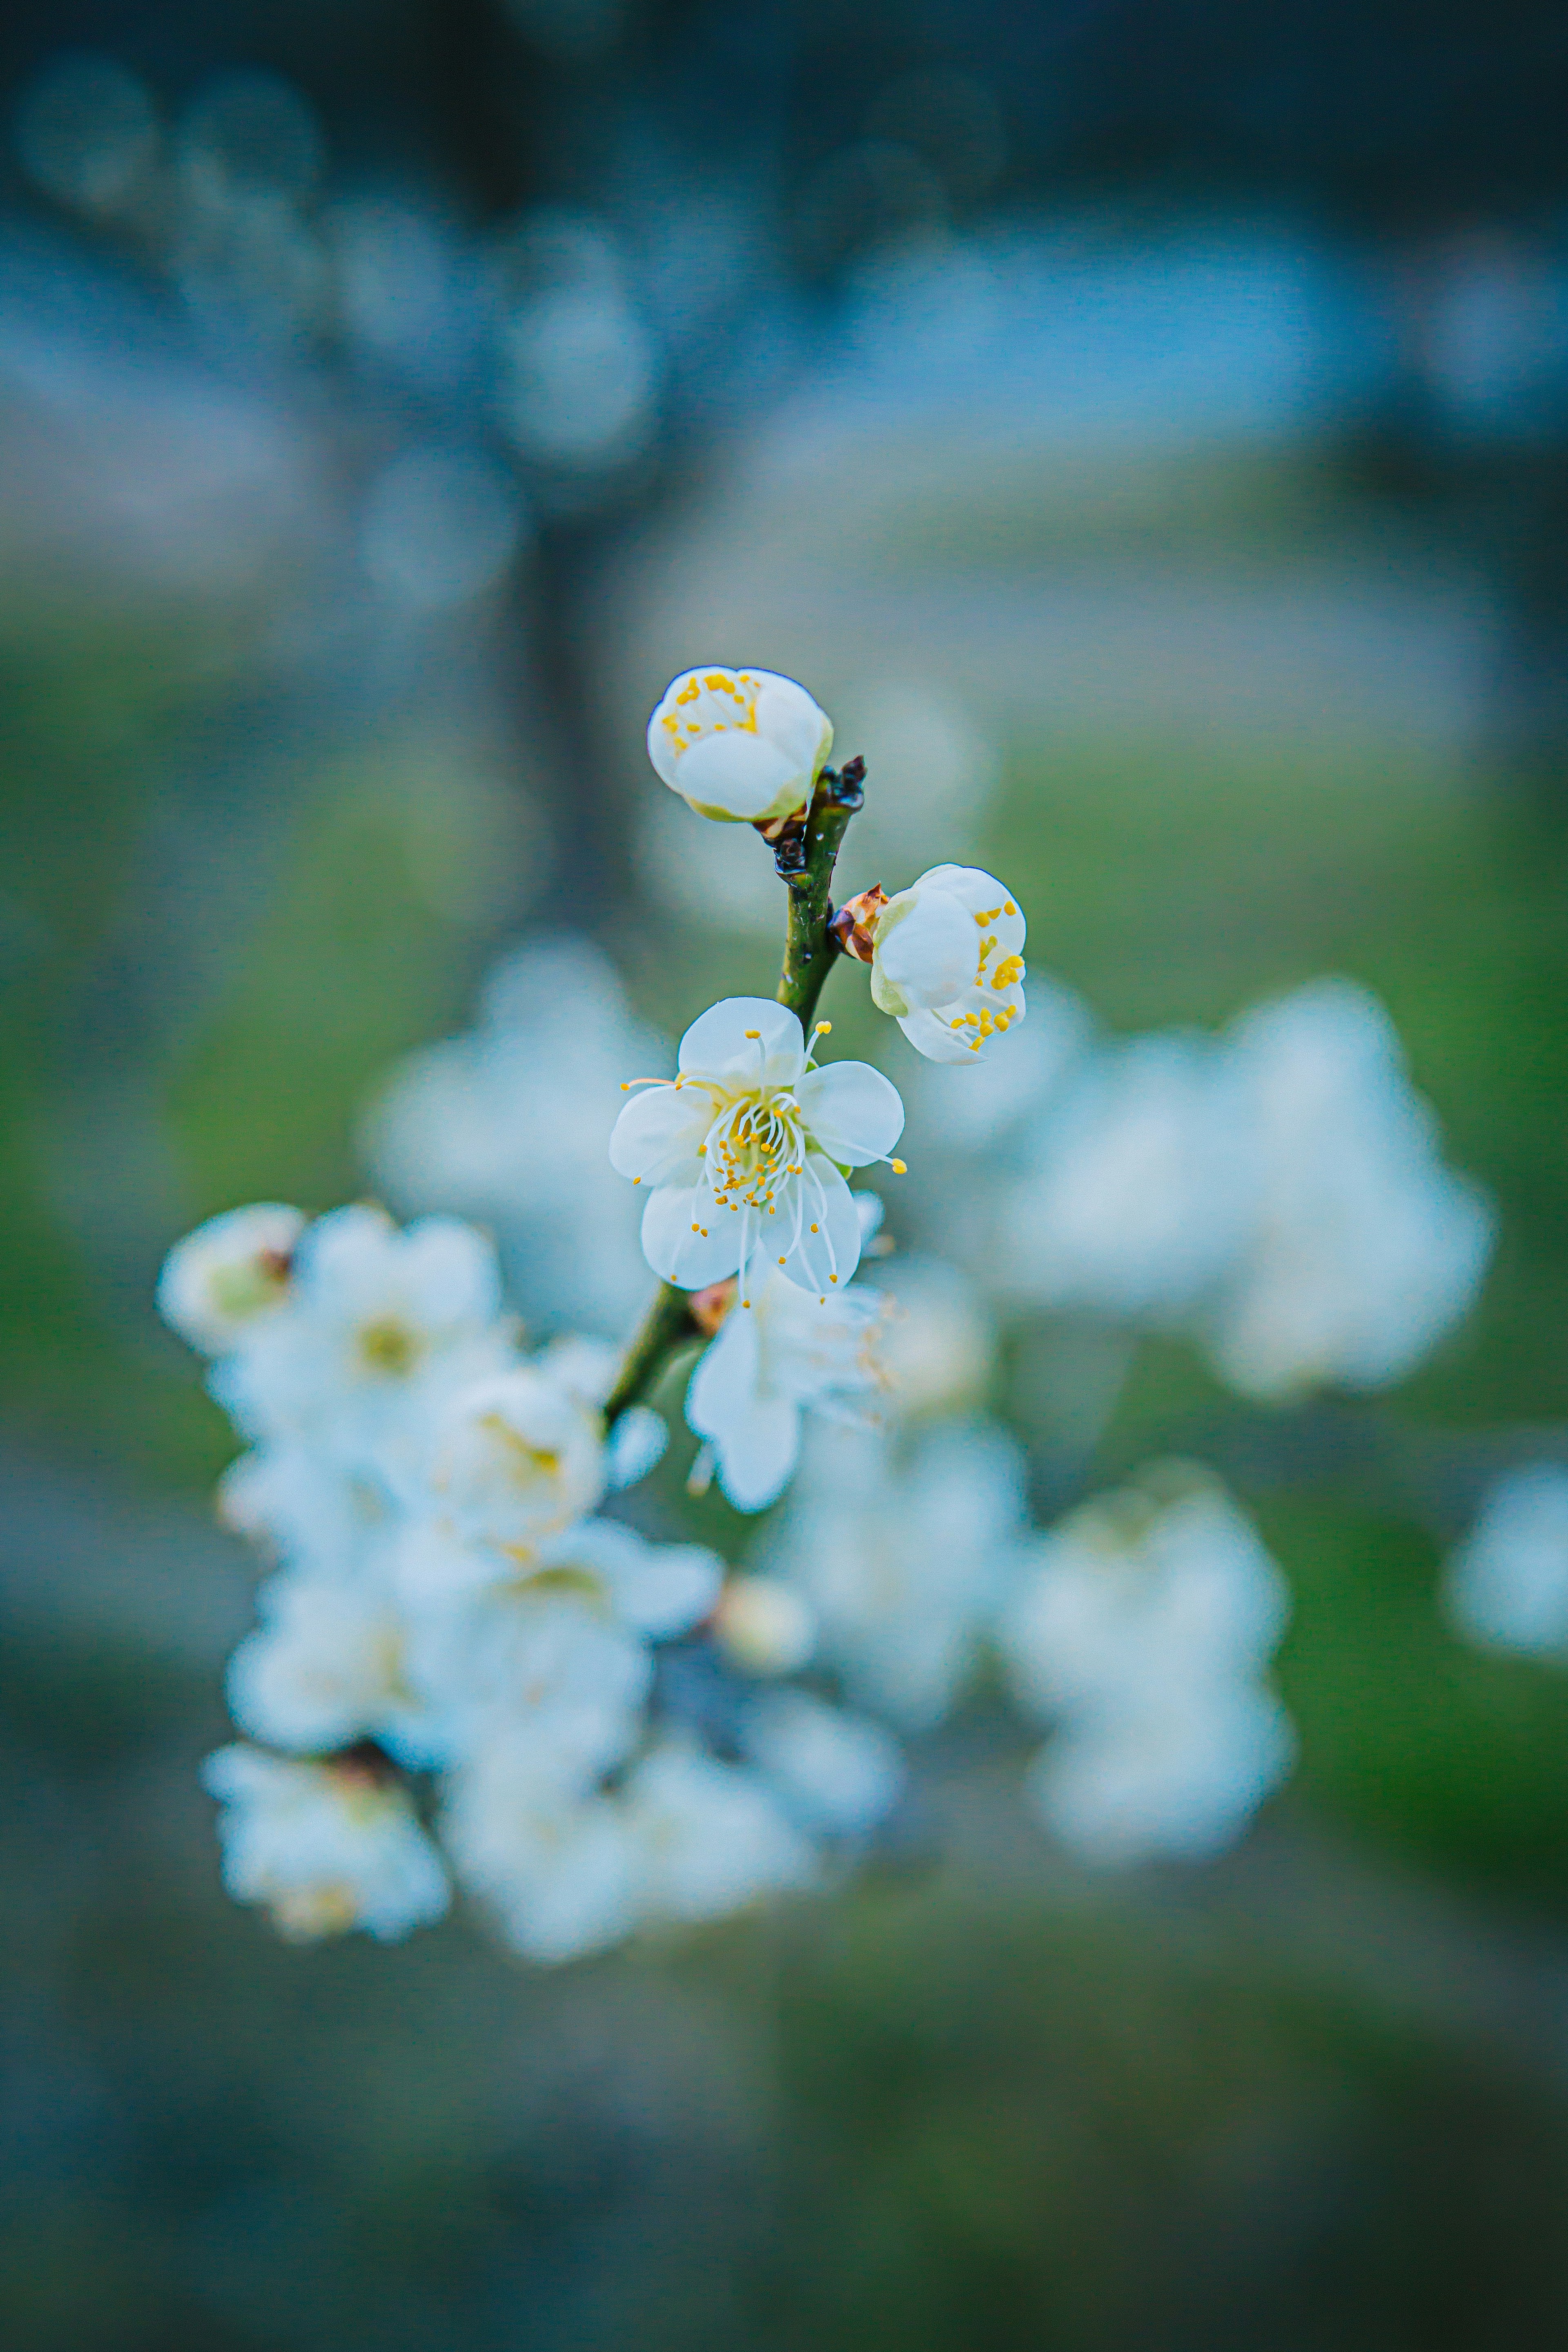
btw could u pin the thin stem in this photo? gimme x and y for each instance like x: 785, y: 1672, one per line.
x: 666, y: 1326
x: 806, y: 865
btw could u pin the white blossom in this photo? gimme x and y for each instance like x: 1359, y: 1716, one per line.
x: 326, y: 1847
x: 742, y: 745
x: 1506, y: 1586
x: 1140, y: 1188
x: 710, y: 1837
x: 567, y: 1682
x: 515, y: 1459
x: 558, y: 1869
x: 310, y: 1511
x: 1363, y: 1249
x: 771, y: 1359
x: 378, y: 1328
x: 326, y: 1667
x: 235, y: 1269
x: 948, y: 963
x: 1141, y: 1626
x: 903, y: 1556
x: 751, y: 1129
x: 836, y: 1774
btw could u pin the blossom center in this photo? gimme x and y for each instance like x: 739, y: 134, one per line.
x: 754, y: 1146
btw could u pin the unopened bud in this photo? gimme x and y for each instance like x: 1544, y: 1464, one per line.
x: 709, y: 1307
x: 855, y: 924
x: 763, y: 1625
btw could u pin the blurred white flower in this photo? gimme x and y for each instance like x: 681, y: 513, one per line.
x: 742, y: 745
x: 566, y: 1684
x: 558, y: 1869
x: 378, y: 1327
x: 510, y: 1124
x: 763, y: 1625
x: 1506, y: 1586
x: 326, y: 1667
x: 515, y: 1459
x: 948, y: 963
x: 1138, y: 1188
x: 836, y: 1774
x: 217, y: 1281
x: 710, y: 1837
x: 308, y: 1511
x: 1363, y: 1249
x: 904, y: 1558
x: 936, y: 1339
x: 326, y: 1847
x: 1141, y: 1626
x: 750, y: 1130
x: 771, y: 1359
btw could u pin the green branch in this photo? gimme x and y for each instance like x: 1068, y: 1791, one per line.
x: 805, y: 860
x: 666, y: 1326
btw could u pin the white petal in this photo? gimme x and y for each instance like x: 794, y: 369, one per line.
x: 852, y: 1112
x: 927, y: 946
x: 741, y: 775
x: 659, y: 1131
x: 718, y: 1046
x: 828, y: 1249
x: 980, y: 893
x: 938, y: 1040
x: 675, y: 1245
x: 756, y: 1439
x: 792, y: 719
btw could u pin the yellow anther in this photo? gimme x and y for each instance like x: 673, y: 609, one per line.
x: 824, y: 1028
x: 816, y: 1229
x: 833, y: 1277
x: 1009, y: 909
x: 752, y: 1032
x: 899, y: 1167
x: 781, y: 1261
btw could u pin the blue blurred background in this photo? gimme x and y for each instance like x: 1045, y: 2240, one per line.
x: 1145, y: 428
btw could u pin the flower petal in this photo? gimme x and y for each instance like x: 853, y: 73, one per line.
x: 937, y: 1039
x: 659, y: 1131
x: 718, y: 1046
x: 827, y: 1250
x: 675, y: 1245
x: 980, y: 893
x: 741, y: 775
x: 852, y: 1112
x: 927, y: 945
x: 756, y: 1439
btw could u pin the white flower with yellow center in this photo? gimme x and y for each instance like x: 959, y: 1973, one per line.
x: 947, y: 962
x: 516, y: 1459
x: 326, y: 1847
x: 744, y: 1152
x: 742, y: 745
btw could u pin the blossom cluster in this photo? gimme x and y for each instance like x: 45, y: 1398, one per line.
x: 464, y: 1669
x: 472, y: 1669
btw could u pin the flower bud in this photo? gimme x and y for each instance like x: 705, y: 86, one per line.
x: 231, y: 1270
x: 763, y: 1625
x: 947, y: 962
x: 745, y: 746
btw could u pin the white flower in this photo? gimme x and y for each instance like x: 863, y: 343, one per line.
x: 743, y: 745
x: 234, y: 1268
x: 559, y: 1870
x: 515, y: 1459
x: 324, y: 1846
x: 936, y: 1339
x: 836, y: 1774
x: 1141, y: 1626
x: 1143, y: 1185
x: 710, y: 1837
x: 763, y: 1625
x: 785, y: 1351
x: 1506, y: 1587
x: 1363, y: 1249
x: 1181, y: 1776
x: 902, y: 1558
x: 326, y: 1667
x: 750, y: 1130
x: 948, y: 963
x: 309, y: 1511
x: 569, y: 1684
x: 378, y: 1326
